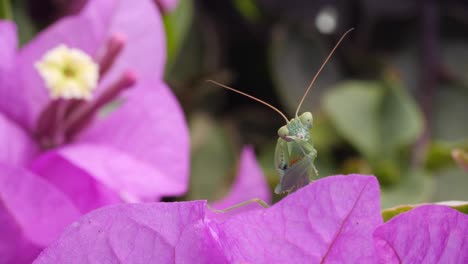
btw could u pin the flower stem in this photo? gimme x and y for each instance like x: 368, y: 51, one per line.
x: 5, y: 10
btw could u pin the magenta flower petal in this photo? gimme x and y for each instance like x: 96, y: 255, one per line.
x: 141, y: 25
x: 32, y: 209
x: 17, y: 147
x: 8, y: 77
x: 14, y: 246
x: 99, y: 13
x: 94, y: 172
x: 250, y: 183
x: 426, y: 234
x: 129, y: 178
x: 137, y: 233
x: 85, y: 191
x: 330, y: 220
x: 150, y: 127
x: 32, y: 94
x: 9, y: 43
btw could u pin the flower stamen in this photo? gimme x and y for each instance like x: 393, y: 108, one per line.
x: 114, y: 46
x: 83, y: 114
x: 68, y: 73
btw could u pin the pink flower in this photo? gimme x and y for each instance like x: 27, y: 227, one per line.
x: 57, y: 142
x: 426, y: 234
x: 332, y: 220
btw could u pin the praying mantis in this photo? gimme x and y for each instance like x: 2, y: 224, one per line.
x: 294, y: 153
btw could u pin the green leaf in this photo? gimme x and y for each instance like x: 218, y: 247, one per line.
x: 295, y: 60
x: 461, y: 206
x: 389, y: 213
x: 394, y: 211
x: 177, y: 25
x: 5, y: 10
x: 378, y: 119
x: 353, y: 107
x: 400, y: 120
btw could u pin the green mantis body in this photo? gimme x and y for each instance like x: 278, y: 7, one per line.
x: 295, y: 153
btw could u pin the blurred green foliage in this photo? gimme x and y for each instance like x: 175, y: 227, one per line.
x: 26, y: 26
x: 209, y: 150
x: 5, y: 10
x: 392, y: 101
x: 177, y: 24
x: 368, y: 104
x: 380, y: 120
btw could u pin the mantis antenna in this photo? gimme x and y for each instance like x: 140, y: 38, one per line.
x: 321, y: 68
x: 251, y: 97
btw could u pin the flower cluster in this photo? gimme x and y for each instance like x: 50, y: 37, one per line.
x: 64, y: 153
x: 92, y: 138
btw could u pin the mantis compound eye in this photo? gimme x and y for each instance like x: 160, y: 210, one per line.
x: 283, y: 131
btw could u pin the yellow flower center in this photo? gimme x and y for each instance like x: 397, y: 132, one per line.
x: 68, y: 73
